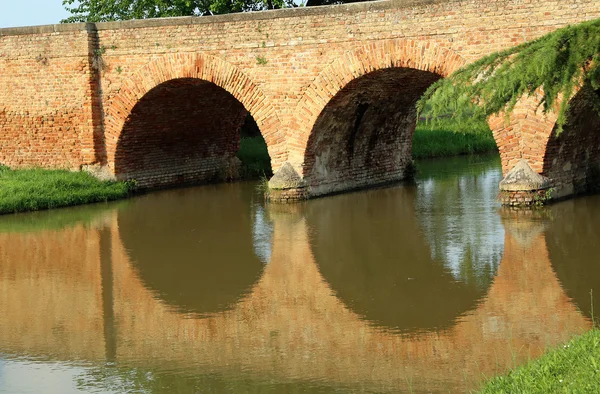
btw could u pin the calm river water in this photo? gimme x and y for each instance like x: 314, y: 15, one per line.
x: 424, y: 287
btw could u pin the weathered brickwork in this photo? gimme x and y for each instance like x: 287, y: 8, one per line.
x: 77, y: 95
x: 572, y: 159
x: 46, y: 99
x: 288, y: 195
x: 524, y: 198
x: 182, y: 131
x: 363, y: 136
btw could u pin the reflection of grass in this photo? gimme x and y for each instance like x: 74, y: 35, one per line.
x: 55, y: 219
x: 444, y: 138
x: 125, y: 379
x: 37, y: 189
x: 448, y: 168
x: 572, y: 368
x: 255, y: 158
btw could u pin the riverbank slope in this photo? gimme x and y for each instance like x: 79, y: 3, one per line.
x: 37, y: 189
x: 570, y: 368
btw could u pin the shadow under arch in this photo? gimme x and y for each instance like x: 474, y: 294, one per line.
x: 363, y: 136
x: 572, y: 158
x: 378, y: 55
x: 358, y: 116
x: 209, y: 263
x: 572, y: 239
x: 166, y: 73
x: 182, y: 131
x: 371, y: 251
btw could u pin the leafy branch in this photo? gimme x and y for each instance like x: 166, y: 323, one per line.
x: 111, y: 10
x: 557, y: 65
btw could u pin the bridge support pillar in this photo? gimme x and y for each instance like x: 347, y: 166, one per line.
x: 560, y: 164
x: 522, y: 140
x: 524, y: 187
x: 287, y: 185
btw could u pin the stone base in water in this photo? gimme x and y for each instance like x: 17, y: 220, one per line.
x: 523, y: 187
x: 287, y: 195
x: 524, y: 198
x: 287, y: 186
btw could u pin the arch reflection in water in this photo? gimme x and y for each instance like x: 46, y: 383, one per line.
x: 457, y: 209
x: 194, y: 247
x: 574, y: 249
x: 372, y: 250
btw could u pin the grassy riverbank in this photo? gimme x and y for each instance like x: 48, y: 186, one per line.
x: 445, y: 138
x: 37, y: 189
x: 572, y: 368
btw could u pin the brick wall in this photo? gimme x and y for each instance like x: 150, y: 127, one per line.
x: 283, y: 66
x: 45, y: 99
x: 572, y: 158
x: 182, y: 131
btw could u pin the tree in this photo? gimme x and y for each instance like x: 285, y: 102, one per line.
x: 557, y: 65
x: 111, y: 10
x: 310, y: 3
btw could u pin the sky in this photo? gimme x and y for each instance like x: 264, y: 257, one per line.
x: 15, y: 13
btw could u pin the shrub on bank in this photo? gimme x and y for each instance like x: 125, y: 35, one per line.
x: 37, y: 189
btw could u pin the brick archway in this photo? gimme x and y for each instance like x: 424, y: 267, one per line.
x: 193, y: 66
x: 524, y: 134
x: 377, y: 55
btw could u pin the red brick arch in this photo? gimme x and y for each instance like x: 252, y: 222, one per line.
x: 377, y: 55
x: 200, y: 66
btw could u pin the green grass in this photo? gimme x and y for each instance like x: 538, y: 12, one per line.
x: 447, y: 137
x: 571, y: 368
x: 256, y: 162
x: 37, y: 189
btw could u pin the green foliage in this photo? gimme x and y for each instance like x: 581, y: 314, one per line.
x: 255, y: 158
x: 447, y: 137
x: 261, y: 60
x: 36, y: 189
x: 111, y: 10
x: 572, y: 368
x: 558, y: 63
x: 542, y: 198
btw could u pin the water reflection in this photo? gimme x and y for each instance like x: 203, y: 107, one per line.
x: 171, y: 292
x: 194, y: 250
x: 371, y: 251
x: 262, y: 234
x: 574, y: 250
x: 457, y: 209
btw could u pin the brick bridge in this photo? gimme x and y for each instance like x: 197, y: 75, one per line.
x: 332, y: 90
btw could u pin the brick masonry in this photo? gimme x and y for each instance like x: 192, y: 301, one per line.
x: 331, y: 89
